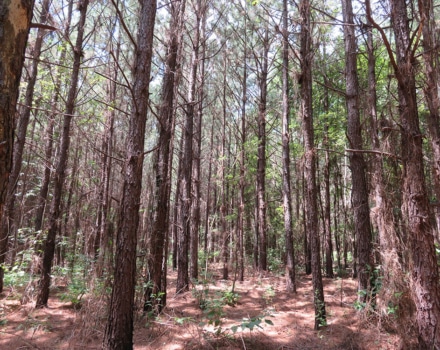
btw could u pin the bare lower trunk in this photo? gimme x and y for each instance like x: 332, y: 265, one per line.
x: 14, y: 29
x: 310, y: 199
x: 119, y: 329
x: 359, y: 193
x: 287, y: 193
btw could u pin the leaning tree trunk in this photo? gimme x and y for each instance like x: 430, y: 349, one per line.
x: 310, y: 199
x: 60, y: 172
x: 119, y: 329
x: 15, y: 19
x: 359, y: 192
x: 287, y: 193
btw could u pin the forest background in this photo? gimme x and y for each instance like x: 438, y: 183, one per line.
x: 282, y: 136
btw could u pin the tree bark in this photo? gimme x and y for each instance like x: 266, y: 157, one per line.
x: 15, y: 19
x: 155, y: 293
x: 187, y: 163
x: 8, y: 224
x: 197, y: 150
x: 423, y: 263
x: 287, y: 193
x: 359, y: 192
x: 261, y: 160
x: 119, y: 329
x: 310, y: 199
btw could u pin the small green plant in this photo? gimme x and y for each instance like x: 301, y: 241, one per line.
x: 269, y: 295
x: 75, y: 291
x: 230, y: 298
x: 251, y: 323
x: 182, y: 320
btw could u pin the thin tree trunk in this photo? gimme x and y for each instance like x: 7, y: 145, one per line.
x: 261, y: 160
x: 359, y: 193
x: 119, y: 329
x: 155, y: 293
x: 197, y: 146
x: 242, y: 183
x: 187, y: 163
x: 310, y: 198
x: 224, y: 196
x: 101, y: 238
x: 49, y: 133
x: 287, y: 193
x: 60, y: 172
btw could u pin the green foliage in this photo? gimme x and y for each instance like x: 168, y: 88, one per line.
x: 251, y: 323
x: 230, y: 298
x: 15, y: 277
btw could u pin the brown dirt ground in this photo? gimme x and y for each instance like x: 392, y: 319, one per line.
x: 60, y: 326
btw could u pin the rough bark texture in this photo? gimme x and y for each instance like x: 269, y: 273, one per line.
x: 15, y: 19
x: 8, y: 225
x: 187, y: 162
x: 423, y: 264
x: 60, y: 172
x: 359, y: 191
x: 430, y: 88
x: 242, y: 183
x: 197, y: 149
x: 310, y: 198
x: 261, y: 161
x: 154, y: 294
x: 390, y: 250
x: 223, y: 205
x: 287, y: 193
x: 119, y: 329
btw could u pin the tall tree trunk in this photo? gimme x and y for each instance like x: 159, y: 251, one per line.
x: 359, y: 192
x: 310, y: 199
x: 197, y: 148
x: 187, y: 162
x: 242, y: 183
x: 155, y: 292
x: 287, y: 193
x: 430, y: 88
x: 102, y: 224
x: 49, y: 133
x: 261, y: 160
x: 60, y: 172
x: 423, y: 264
x: 119, y: 329
x: 223, y: 167
x: 8, y: 224
x: 390, y: 252
x: 208, y: 195
x: 15, y: 19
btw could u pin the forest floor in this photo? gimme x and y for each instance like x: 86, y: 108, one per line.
x: 287, y: 320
